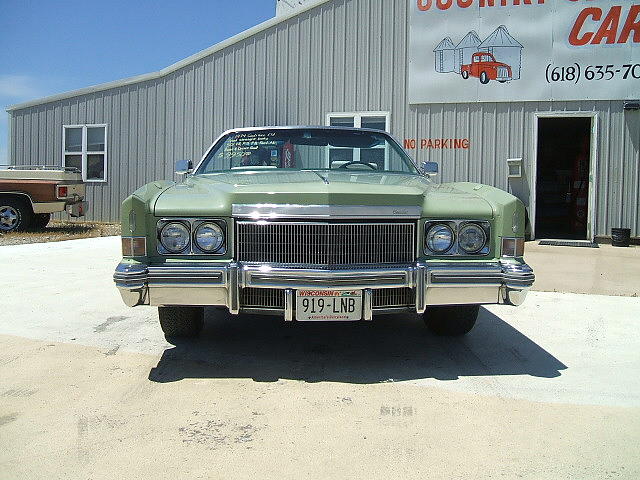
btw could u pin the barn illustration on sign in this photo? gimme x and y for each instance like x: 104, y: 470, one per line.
x: 498, y: 57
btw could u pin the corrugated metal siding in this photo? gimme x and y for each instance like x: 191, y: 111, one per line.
x: 345, y: 55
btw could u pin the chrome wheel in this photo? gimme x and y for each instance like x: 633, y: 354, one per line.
x: 9, y: 218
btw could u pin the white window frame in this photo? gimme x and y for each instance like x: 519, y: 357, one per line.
x: 357, y: 118
x: 84, y: 151
x: 357, y: 123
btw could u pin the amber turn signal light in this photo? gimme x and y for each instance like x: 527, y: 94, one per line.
x: 512, y: 247
x: 134, y: 247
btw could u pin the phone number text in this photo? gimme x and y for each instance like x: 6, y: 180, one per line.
x: 576, y: 72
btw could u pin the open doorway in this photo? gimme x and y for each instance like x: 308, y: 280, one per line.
x: 562, y: 177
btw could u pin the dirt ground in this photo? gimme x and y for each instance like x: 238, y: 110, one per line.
x: 58, y: 231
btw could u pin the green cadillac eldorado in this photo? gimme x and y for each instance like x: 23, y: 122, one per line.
x: 319, y: 224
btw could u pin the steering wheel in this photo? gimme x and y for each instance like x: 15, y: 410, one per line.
x: 356, y: 162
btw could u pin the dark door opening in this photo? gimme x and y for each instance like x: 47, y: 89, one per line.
x: 562, y: 185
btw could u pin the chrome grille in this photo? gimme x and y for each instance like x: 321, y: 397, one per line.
x: 503, y: 72
x: 325, y: 244
x: 393, y: 297
x: 262, y: 298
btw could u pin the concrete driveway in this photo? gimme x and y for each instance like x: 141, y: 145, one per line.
x: 90, y: 389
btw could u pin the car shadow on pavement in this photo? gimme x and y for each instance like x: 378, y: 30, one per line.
x: 392, y: 348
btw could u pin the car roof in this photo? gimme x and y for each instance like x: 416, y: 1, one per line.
x: 304, y: 127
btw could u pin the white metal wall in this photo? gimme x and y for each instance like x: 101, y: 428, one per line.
x: 344, y: 55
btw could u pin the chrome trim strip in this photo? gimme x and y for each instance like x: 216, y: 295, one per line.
x: 272, y: 211
x: 233, y: 289
x: 129, y: 275
x: 136, y: 281
x: 267, y: 277
x: 367, y: 302
x: 421, y: 288
x: 288, y: 305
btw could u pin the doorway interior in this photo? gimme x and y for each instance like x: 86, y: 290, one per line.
x: 563, y: 167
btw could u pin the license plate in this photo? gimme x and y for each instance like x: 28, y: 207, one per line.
x: 328, y: 305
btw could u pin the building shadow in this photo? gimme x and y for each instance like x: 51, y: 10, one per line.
x: 392, y: 348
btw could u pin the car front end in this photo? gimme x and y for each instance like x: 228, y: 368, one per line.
x: 321, y: 245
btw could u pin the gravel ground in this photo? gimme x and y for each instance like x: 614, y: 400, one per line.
x: 58, y: 231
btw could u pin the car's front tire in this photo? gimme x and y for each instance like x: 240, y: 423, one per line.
x: 451, y: 320
x: 182, y: 322
x: 484, y: 78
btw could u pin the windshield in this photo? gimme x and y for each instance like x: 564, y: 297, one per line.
x: 307, y: 149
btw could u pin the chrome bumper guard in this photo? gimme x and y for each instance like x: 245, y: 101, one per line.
x: 221, y: 284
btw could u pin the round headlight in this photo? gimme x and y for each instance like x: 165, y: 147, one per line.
x: 472, y: 238
x: 439, y: 238
x: 209, y: 237
x: 174, y: 237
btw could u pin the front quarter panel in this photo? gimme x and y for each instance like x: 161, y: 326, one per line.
x: 137, y: 216
x: 508, y: 211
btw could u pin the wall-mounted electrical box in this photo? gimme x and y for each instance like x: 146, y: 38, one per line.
x: 514, y: 168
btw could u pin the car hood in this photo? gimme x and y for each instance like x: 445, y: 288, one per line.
x: 215, y: 194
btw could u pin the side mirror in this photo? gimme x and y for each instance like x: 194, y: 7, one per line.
x: 184, y: 167
x: 430, y: 168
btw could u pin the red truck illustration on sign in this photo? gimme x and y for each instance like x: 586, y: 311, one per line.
x: 484, y: 66
x: 497, y: 57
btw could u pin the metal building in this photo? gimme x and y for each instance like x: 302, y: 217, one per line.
x: 347, y: 62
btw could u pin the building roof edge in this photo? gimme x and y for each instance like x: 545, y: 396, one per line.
x: 171, y: 68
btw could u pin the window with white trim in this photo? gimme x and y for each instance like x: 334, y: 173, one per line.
x: 85, y: 148
x: 375, y: 155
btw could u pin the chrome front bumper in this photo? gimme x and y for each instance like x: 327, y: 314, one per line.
x: 221, y: 284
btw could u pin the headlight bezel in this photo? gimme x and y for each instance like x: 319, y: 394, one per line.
x: 457, y: 226
x: 192, y: 224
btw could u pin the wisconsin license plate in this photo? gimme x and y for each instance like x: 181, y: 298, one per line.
x: 328, y: 305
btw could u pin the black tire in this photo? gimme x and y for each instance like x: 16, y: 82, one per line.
x: 484, y: 78
x: 465, y: 74
x: 15, y: 214
x: 451, y: 320
x: 40, y: 220
x: 181, y: 321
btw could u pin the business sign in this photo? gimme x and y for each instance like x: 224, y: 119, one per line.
x: 518, y: 50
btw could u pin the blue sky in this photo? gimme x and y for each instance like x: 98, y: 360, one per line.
x: 53, y: 46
